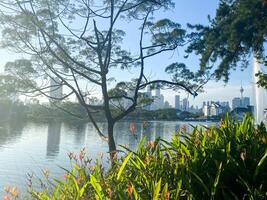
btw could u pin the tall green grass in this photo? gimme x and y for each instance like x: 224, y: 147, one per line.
x: 225, y: 162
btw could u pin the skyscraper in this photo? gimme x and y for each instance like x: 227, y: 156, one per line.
x: 158, y: 102
x: 245, y: 102
x: 56, y: 89
x: 148, y: 95
x: 236, y: 103
x: 240, y: 102
x: 157, y: 91
x: 185, y: 105
x: 177, y: 102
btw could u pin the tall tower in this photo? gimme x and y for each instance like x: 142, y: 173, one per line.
x: 56, y: 89
x: 177, y: 102
x: 241, y: 91
x: 149, y: 94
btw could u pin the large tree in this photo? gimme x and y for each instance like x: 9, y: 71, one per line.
x: 237, y: 32
x: 77, y: 44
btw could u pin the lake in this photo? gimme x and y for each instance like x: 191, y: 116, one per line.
x: 34, y: 147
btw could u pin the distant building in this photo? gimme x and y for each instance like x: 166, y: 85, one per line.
x: 236, y: 103
x: 157, y: 91
x: 148, y: 95
x: 245, y: 102
x: 167, y: 105
x: 177, y: 102
x: 56, y: 89
x: 212, y: 108
x: 158, y: 100
x: 148, y: 92
x: 240, y: 102
x: 185, y: 104
x: 193, y: 109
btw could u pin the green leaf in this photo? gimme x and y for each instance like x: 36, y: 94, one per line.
x: 216, y: 181
x: 260, y: 164
x: 123, y: 165
x: 157, y: 190
x: 141, y: 144
x: 178, y: 188
x: 164, y: 191
x: 82, y: 190
x: 96, y: 186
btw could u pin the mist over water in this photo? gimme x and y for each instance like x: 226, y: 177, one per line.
x: 260, y: 94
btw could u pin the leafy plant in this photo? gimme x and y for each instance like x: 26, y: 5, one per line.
x: 224, y: 162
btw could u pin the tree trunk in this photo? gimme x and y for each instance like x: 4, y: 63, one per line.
x: 111, y: 142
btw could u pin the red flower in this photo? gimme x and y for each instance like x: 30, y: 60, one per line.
x: 130, y: 189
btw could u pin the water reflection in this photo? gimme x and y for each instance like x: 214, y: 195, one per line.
x: 26, y: 147
x: 79, y: 130
x: 10, y: 131
x: 53, y: 139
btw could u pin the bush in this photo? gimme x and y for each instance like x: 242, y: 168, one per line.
x: 225, y: 162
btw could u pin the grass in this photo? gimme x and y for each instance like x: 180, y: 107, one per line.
x: 225, y: 162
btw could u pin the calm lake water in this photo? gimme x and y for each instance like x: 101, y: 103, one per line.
x: 33, y: 147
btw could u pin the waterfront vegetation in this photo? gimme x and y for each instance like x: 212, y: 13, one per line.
x: 224, y: 162
x: 46, y: 112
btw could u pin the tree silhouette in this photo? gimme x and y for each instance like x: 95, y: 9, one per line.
x: 77, y: 44
x: 237, y: 31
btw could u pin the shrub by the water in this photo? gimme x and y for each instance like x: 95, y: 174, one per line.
x: 225, y: 162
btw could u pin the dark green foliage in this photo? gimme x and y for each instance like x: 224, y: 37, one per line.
x: 225, y: 162
x: 238, y: 31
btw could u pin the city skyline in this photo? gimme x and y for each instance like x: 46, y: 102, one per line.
x: 213, y: 90
x: 170, y: 96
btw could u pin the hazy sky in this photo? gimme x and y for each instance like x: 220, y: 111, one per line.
x: 186, y: 11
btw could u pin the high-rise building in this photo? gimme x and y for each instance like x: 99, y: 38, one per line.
x: 177, y: 102
x: 56, y: 89
x: 158, y: 102
x: 236, y: 103
x: 240, y: 102
x: 245, y: 102
x: 167, y: 105
x: 148, y: 95
x: 185, y: 104
x: 215, y: 108
x: 157, y: 91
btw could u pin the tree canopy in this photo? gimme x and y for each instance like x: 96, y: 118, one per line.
x: 237, y: 33
x: 77, y: 44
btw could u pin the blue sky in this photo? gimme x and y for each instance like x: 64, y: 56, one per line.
x: 194, y: 12
x: 186, y: 11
